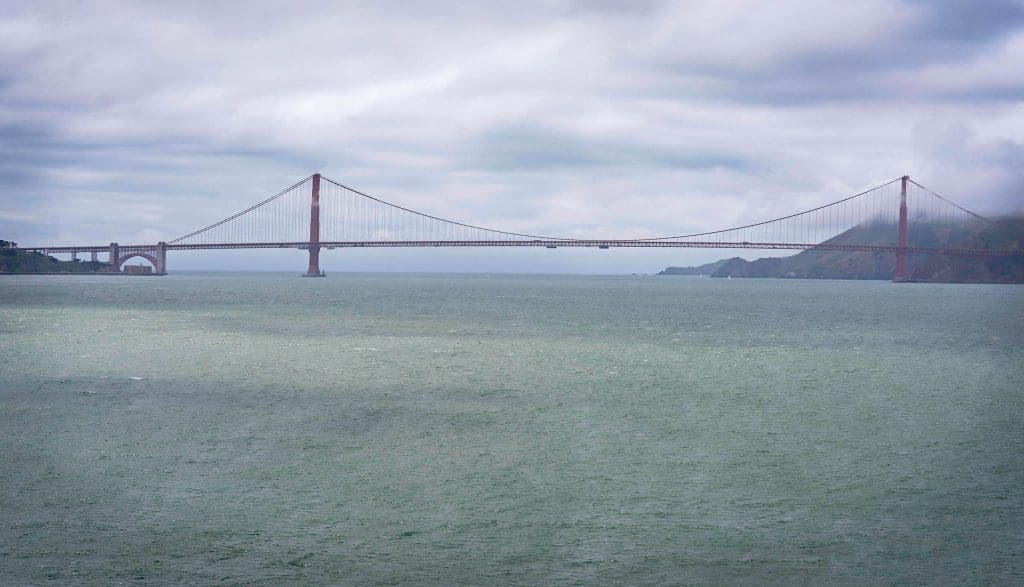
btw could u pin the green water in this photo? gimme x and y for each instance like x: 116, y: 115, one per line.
x: 479, y: 429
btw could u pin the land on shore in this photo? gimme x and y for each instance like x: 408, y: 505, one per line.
x: 1007, y: 233
x: 15, y: 261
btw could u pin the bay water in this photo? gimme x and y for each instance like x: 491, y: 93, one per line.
x: 498, y: 429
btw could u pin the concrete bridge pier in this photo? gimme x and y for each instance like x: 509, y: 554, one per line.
x: 161, y: 258
x: 114, y: 256
x: 94, y: 255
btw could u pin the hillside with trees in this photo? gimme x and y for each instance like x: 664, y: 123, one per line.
x: 13, y: 260
x: 1007, y: 233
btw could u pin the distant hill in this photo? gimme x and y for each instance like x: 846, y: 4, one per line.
x: 706, y: 269
x: 14, y: 261
x: 816, y: 264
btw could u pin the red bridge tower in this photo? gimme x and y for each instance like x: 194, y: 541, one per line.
x: 314, y: 230
x: 902, y: 238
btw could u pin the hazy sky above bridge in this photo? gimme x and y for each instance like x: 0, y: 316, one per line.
x: 139, y: 122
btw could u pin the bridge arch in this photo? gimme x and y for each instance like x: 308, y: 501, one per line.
x: 157, y: 268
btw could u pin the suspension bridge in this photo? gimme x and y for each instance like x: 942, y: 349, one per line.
x: 318, y: 213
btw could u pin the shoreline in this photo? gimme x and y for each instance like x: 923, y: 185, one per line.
x: 112, y: 274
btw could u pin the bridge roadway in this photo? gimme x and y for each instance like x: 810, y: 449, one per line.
x: 598, y: 243
x: 372, y: 216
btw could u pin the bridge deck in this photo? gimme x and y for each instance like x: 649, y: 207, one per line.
x: 598, y: 243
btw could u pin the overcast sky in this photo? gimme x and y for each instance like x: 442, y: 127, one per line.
x: 138, y: 122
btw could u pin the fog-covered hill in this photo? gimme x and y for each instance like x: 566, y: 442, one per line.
x: 818, y: 264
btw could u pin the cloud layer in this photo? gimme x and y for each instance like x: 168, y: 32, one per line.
x: 137, y: 122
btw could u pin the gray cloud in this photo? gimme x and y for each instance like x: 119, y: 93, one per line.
x: 866, y: 52
x: 535, y: 148
x: 963, y: 163
x: 966, y: 20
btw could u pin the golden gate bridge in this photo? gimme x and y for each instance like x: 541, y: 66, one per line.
x: 318, y: 213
